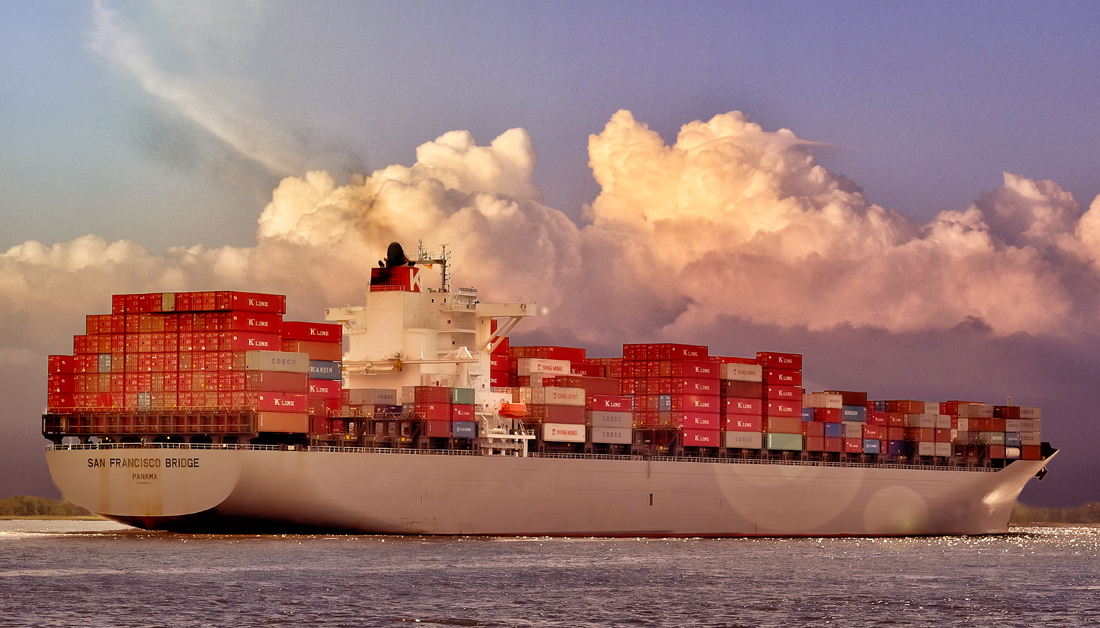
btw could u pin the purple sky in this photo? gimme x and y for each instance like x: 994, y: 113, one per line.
x: 152, y: 127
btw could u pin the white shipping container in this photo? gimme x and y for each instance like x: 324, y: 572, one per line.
x: 742, y: 372
x: 975, y: 410
x: 964, y: 424
x: 921, y: 420
x: 603, y: 418
x: 1021, y: 425
x: 991, y: 438
x: 1030, y: 412
x: 1030, y: 438
x: 372, y: 396
x: 931, y: 407
x: 1012, y: 453
x: 926, y: 449
x: 278, y: 361
x: 612, y: 435
x: 943, y: 421
x: 822, y: 400
x: 744, y: 440
x: 944, y: 449
x: 521, y: 394
x: 562, y: 433
x: 527, y: 366
x: 558, y: 396
x: 853, y: 429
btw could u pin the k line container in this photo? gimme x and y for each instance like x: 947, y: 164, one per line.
x: 744, y: 423
x: 318, y: 332
x: 743, y: 406
x: 700, y: 438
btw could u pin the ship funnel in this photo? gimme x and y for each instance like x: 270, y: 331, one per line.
x: 395, y: 256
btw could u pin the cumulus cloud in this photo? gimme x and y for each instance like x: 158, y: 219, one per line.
x: 729, y: 222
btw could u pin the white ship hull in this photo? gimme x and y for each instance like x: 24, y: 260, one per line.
x: 251, y: 490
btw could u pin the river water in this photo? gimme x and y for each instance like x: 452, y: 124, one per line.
x: 74, y: 573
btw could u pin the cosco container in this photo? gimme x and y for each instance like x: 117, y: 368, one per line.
x: 612, y: 435
x: 603, y: 418
x: 281, y: 361
x: 744, y: 440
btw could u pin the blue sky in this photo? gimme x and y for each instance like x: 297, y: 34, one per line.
x: 165, y: 128
x: 922, y: 105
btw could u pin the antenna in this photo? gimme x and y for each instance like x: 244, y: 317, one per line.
x: 443, y: 259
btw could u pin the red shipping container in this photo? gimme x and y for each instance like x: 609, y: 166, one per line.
x: 696, y: 420
x: 734, y: 405
x: 433, y: 411
x: 666, y: 351
x: 249, y: 302
x: 586, y: 369
x: 320, y: 425
x: 813, y: 429
x: 828, y: 415
x: 691, y: 387
x: 696, y: 403
x: 324, y: 388
x: 279, y: 402
x: 785, y: 425
x: 462, y: 412
x: 784, y: 408
x: 503, y: 347
x: 571, y: 415
x: 498, y: 380
x: 610, y: 403
x: 877, y: 418
x: 498, y: 362
x: 853, y: 445
x: 61, y: 383
x: 781, y: 361
x: 874, y: 432
x: 590, y: 385
x: 834, y: 444
x: 1031, y: 452
x: 314, y: 332
x: 437, y: 429
x: 814, y: 443
x: 262, y: 322
x: 432, y: 394
x: 690, y: 369
x: 700, y: 438
x: 943, y: 435
x: 775, y: 377
x: 784, y: 393
x: 744, y: 423
x: 998, y: 451
x: 895, y: 433
x: 58, y: 401
x: 253, y: 341
x: 895, y: 419
x: 920, y: 434
x: 326, y: 351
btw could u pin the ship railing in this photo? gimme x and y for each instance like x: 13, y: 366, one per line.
x: 152, y: 445
x: 577, y: 456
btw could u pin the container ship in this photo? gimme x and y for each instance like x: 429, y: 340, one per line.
x: 412, y: 414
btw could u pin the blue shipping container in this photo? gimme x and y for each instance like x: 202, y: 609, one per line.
x: 854, y: 413
x: 895, y: 447
x: 464, y: 429
x: 872, y: 446
x: 807, y: 414
x: 321, y: 369
x: 1012, y: 439
x: 664, y: 403
x: 834, y: 430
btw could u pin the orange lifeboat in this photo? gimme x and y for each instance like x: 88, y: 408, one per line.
x: 513, y: 410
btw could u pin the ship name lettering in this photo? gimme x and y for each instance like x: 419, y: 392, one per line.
x: 125, y: 463
x: 96, y: 462
x: 180, y: 463
x: 143, y: 476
